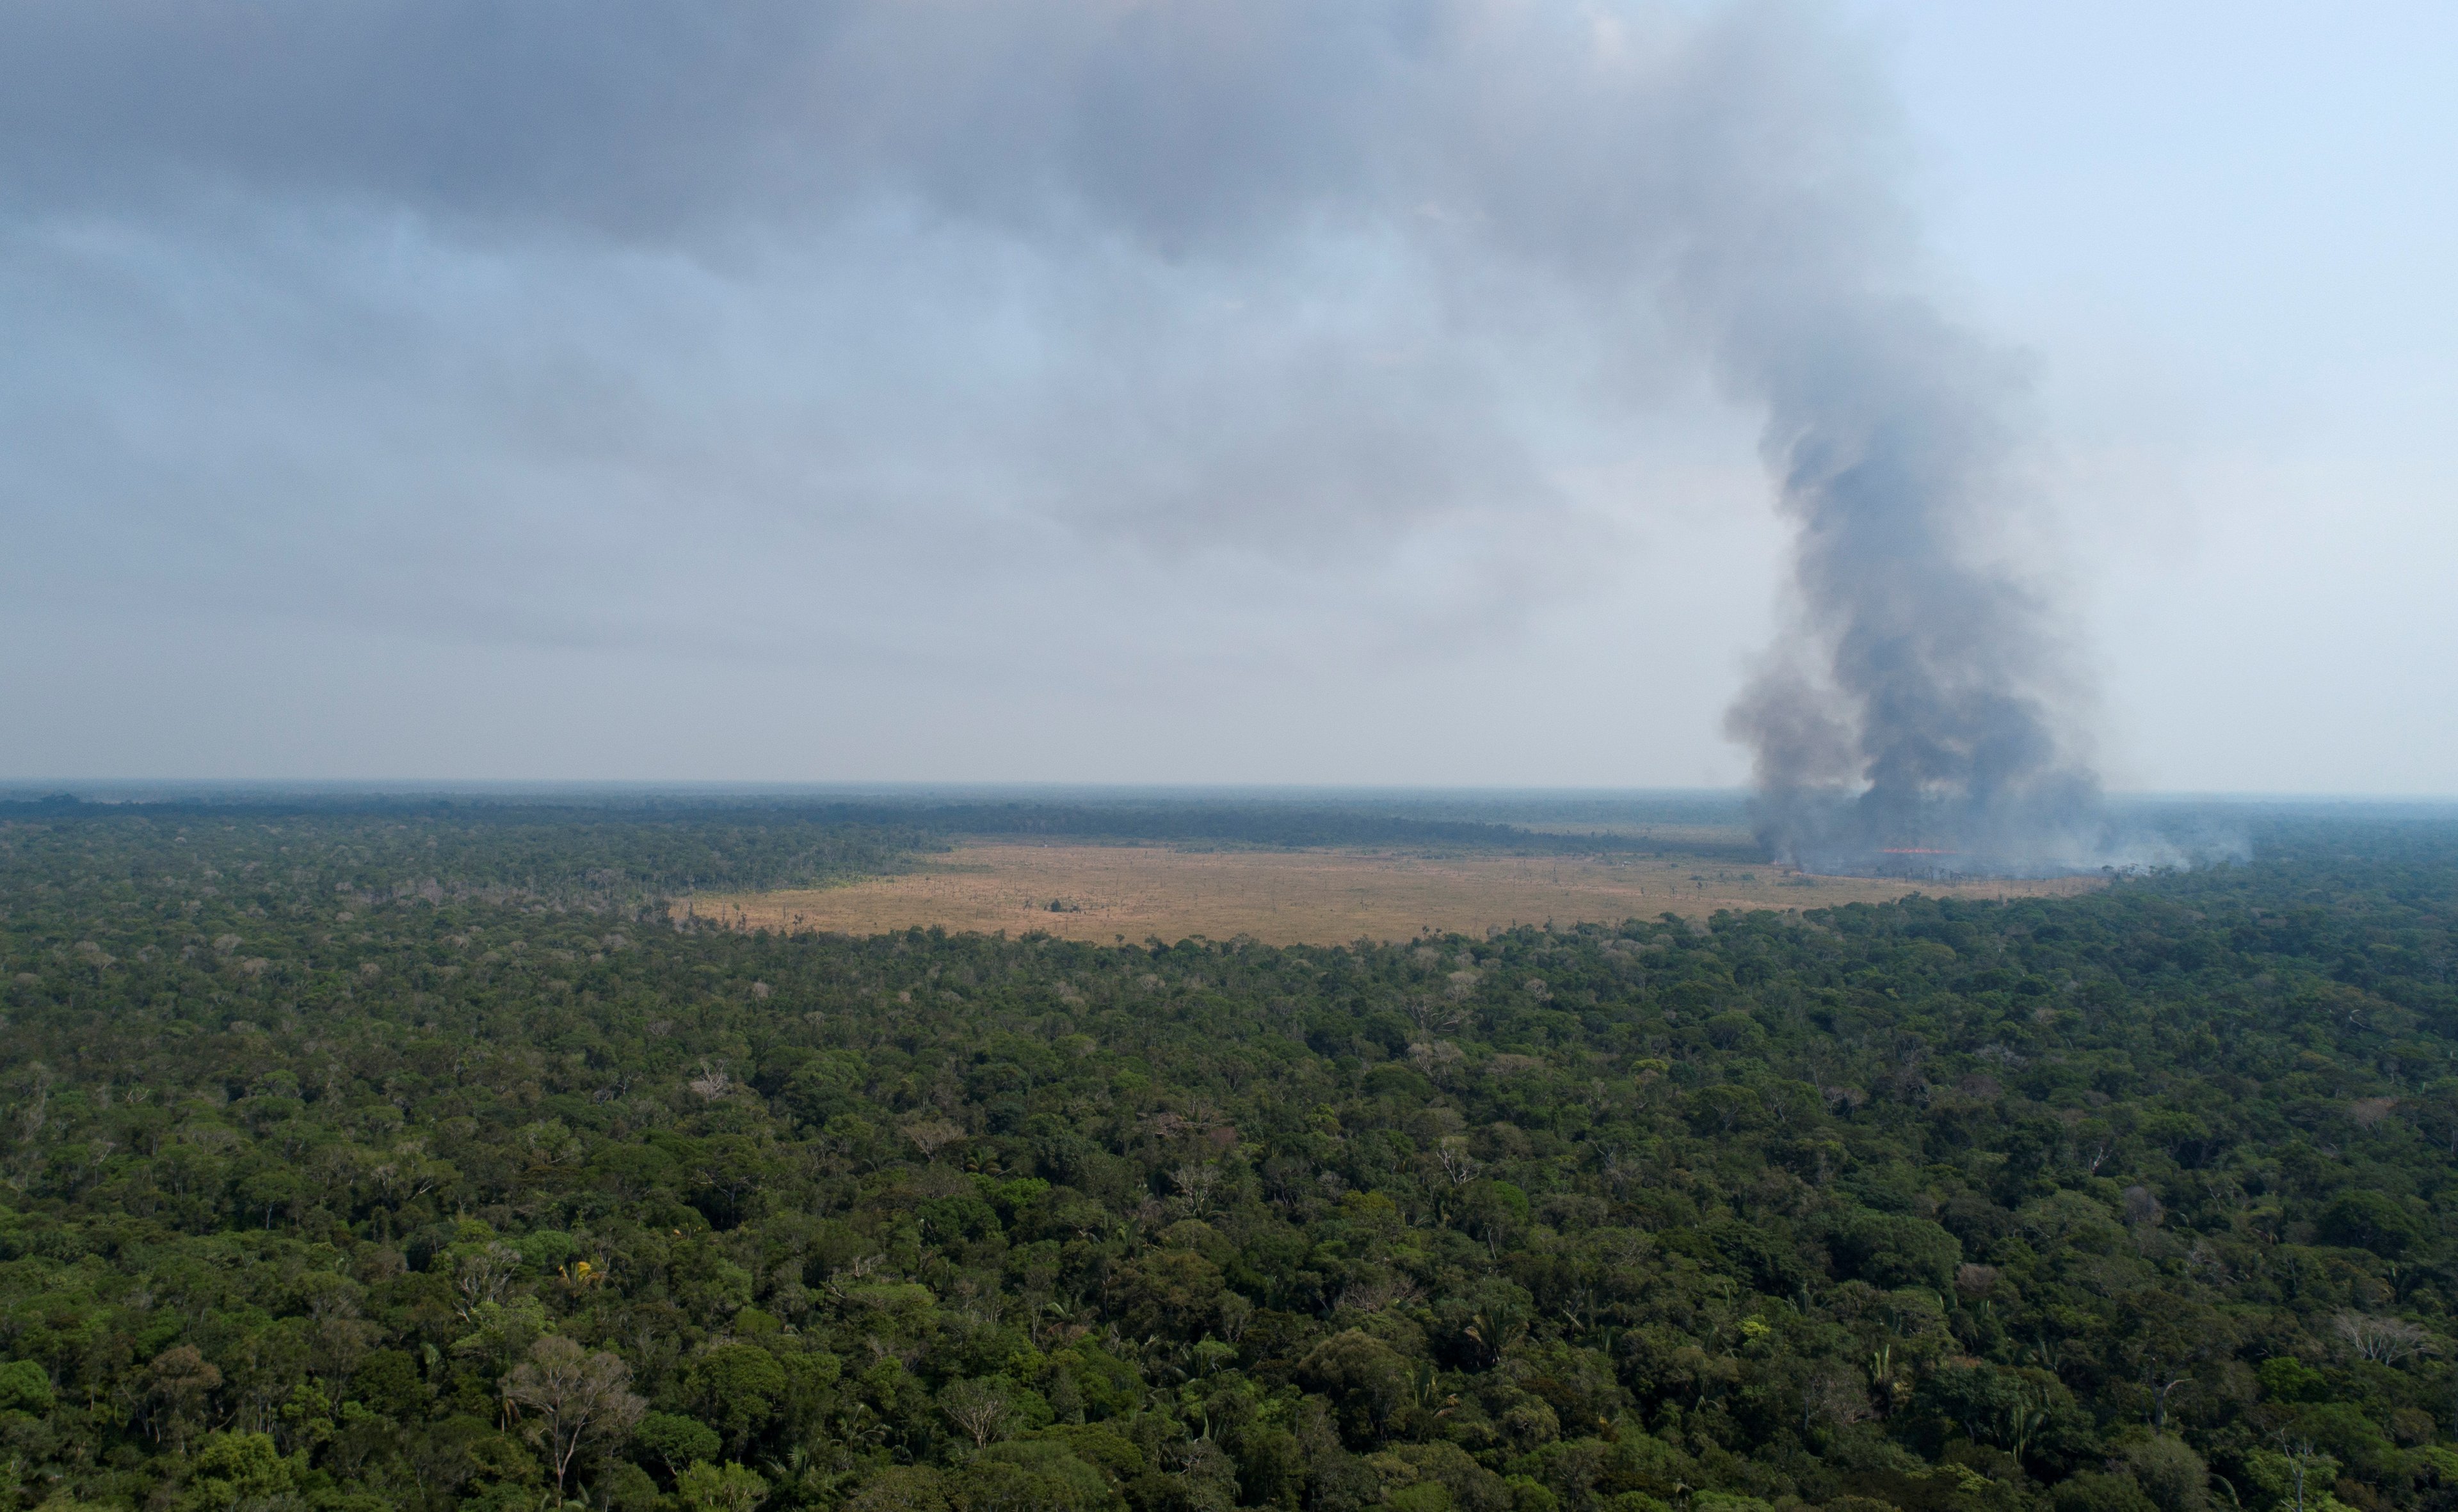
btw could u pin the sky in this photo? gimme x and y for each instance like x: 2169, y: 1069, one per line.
x: 1084, y: 392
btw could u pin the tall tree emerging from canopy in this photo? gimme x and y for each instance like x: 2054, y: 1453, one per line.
x: 580, y: 1396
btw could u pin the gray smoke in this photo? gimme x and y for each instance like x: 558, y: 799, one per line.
x: 1276, y: 273
x: 1919, y: 719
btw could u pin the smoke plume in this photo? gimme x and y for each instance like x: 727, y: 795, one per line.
x: 1279, y: 277
x: 1918, y: 720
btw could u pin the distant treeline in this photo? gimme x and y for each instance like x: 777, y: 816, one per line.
x: 572, y: 854
x: 670, y: 843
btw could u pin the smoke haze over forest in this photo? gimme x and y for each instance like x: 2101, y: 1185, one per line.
x: 1306, y: 388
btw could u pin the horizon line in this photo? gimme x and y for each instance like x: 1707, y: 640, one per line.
x: 123, y: 788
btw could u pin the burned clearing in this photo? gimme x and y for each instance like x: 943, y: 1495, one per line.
x: 1104, y: 892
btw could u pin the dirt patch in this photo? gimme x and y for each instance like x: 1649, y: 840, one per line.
x: 1111, y: 893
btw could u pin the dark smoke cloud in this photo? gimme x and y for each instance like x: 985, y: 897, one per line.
x: 1918, y: 719
x: 1283, y: 274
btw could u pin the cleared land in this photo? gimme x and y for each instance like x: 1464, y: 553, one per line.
x: 1106, y: 893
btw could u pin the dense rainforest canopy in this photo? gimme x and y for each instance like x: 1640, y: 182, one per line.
x: 418, y: 1158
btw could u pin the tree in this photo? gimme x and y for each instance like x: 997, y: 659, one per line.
x: 178, y: 1386
x: 1890, y: 1251
x: 233, y: 1469
x: 1176, y: 1292
x: 25, y: 1388
x: 1364, y: 1376
x: 675, y: 1440
x: 2384, y: 1341
x: 705, y: 1487
x: 485, y: 1274
x: 978, y: 1409
x: 2170, y: 1472
x: 739, y: 1388
x: 2371, y: 1220
x: 1039, y: 1477
x: 580, y: 1396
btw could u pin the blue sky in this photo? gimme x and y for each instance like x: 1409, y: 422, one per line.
x: 2225, y: 229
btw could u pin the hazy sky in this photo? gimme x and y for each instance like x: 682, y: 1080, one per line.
x: 1092, y: 390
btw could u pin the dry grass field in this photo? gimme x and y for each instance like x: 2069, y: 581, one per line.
x: 1108, y: 893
